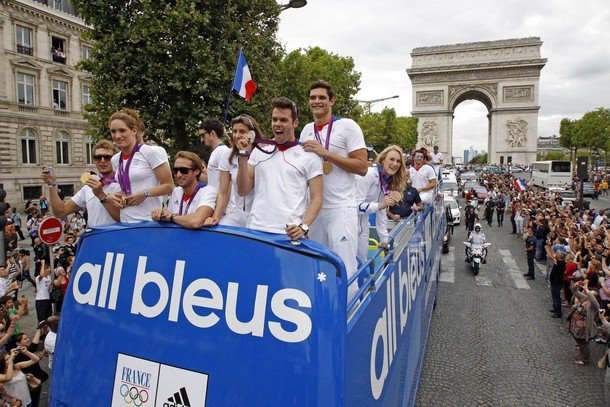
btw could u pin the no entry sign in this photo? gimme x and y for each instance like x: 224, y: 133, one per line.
x: 50, y: 230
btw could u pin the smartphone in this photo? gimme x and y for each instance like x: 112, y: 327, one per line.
x: 49, y: 170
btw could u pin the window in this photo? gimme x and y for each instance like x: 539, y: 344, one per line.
x: 60, y: 95
x: 24, y: 40
x: 32, y: 193
x: 88, y: 152
x: 561, y: 166
x: 62, y: 148
x: 61, y: 5
x: 28, y: 146
x: 86, y: 95
x: 66, y: 189
x: 58, y: 49
x: 86, y: 52
x: 25, y: 88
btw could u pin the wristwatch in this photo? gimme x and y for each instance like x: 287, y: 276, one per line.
x: 243, y: 153
x: 305, y: 228
x: 104, y: 199
x: 145, y: 192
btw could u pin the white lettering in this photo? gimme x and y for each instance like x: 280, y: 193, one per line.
x: 379, y: 334
x: 190, y: 301
x: 105, y: 280
x: 116, y: 280
x: 174, y: 305
x: 90, y: 295
x: 256, y: 325
x: 143, y: 278
x: 299, y: 318
x: 404, y: 297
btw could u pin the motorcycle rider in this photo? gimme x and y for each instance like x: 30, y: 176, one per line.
x: 477, y: 237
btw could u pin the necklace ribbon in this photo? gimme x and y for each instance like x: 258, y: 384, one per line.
x: 384, y: 180
x: 328, y: 131
x: 281, y: 147
x: 190, y: 200
x: 123, y: 174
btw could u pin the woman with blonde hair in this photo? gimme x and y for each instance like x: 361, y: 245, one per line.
x: 142, y: 171
x: 380, y: 188
x: 231, y: 208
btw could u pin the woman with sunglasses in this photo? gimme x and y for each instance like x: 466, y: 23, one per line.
x: 190, y: 203
x: 142, y: 171
x: 92, y: 194
x: 380, y: 188
x: 231, y: 208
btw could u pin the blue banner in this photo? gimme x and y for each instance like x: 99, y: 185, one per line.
x: 161, y: 316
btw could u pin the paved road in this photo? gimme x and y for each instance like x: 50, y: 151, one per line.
x: 492, y: 341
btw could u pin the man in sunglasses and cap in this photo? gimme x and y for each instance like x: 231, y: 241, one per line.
x: 93, y: 194
x: 190, y: 203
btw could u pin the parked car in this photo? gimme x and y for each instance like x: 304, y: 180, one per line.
x: 450, y: 188
x: 481, y: 193
x: 454, y: 208
x: 588, y: 189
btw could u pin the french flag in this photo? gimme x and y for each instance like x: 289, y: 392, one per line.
x: 520, y: 185
x: 243, y: 83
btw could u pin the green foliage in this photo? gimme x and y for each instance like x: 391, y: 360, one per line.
x: 480, y: 159
x: 592, y: 131
x: 174, y: 61
x: 552, y: 155
x: 385, y: 128
x: 303, y: 66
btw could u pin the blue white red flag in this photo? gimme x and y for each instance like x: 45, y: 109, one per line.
x: 520, y: 185
x: 243, y: 83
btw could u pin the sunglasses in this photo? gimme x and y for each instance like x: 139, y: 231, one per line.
x: 181, y: 170
x: 98, y: 157
x: 419, y: 156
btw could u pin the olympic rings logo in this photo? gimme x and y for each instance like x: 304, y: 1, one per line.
x: 133, y: 395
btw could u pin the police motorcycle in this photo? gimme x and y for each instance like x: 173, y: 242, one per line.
x: 476, y: 254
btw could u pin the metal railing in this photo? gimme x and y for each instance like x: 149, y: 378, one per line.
x: 24, y: 49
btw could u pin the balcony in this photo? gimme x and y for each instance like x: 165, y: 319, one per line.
x: 24, y: 49
x: 28, y: 109
x: 58, y: 56
x: 61, y: 113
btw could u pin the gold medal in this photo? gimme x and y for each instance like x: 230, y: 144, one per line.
x: 85, y: 177
x: 327, y: 167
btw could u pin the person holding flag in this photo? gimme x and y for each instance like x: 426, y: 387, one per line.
x: 520, y: 185
x: 340, y: 143
x: 94, y: 192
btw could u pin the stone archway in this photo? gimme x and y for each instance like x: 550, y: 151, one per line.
x: 503, y: 75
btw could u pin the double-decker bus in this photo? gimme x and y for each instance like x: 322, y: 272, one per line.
x: 551, y: 173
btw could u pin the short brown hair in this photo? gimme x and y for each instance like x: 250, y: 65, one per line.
x: 106, y: 145
x: 320, y: 83
x: 285, y: 103
x: 189, y: 155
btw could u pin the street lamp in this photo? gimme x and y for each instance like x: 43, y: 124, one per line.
x: 293, y: 4
x: 368, y: 103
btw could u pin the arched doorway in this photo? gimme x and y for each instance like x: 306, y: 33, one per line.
x: 503, y: 75
x: 472, y: 93
x: 470, y: 132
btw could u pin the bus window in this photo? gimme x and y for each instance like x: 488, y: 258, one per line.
x: 561, y: 166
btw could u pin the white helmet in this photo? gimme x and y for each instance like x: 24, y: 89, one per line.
x: 478, y: 225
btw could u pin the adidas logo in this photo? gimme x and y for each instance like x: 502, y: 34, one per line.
x: 180, y: 399
x: 343, y: 239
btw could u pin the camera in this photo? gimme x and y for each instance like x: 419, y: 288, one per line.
x: 19, y: 348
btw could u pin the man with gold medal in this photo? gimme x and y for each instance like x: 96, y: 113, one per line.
x: 340, y: 143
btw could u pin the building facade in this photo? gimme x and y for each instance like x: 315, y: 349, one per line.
x: 42, y: 95
x: 547, y: 144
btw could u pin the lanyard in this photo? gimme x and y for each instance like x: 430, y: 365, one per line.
x: 328, y: 130
x: 190, y: 200
x: 123, y: 175
x: 106, y: 181
x: 281, y: 147
x: 383, y: 181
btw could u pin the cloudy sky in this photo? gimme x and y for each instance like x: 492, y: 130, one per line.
x: 380, y: 35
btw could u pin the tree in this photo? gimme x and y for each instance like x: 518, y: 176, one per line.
x: 303, y: 66
x: 567, y: 136
x: 553, y: 155
x: 385, y: 128
x: 174, y: 61
x: 479, y: 159
x: 595, y: 128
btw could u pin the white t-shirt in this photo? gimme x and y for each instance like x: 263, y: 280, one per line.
x: 42, y: 287
x: 368, y: 196
x: 339, y: 185
x: 142, y: 177
x: 422, y: 177
x: 98, y: 215
x: 235, y: 201
x: 280, y: 187
x: 205, y: 196
x: 49, y: 346
x: 218, y: 154
x: 18, y: 387
x: 436, y: 158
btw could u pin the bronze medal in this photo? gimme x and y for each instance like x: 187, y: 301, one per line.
x: 327, y: 168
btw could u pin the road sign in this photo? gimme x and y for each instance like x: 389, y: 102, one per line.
x: 600, y: 163
x: 50, y: 230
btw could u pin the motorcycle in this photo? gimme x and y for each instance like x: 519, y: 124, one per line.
x: 476, y: 254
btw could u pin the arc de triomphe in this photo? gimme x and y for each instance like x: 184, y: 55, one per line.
x: 502, y: 74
